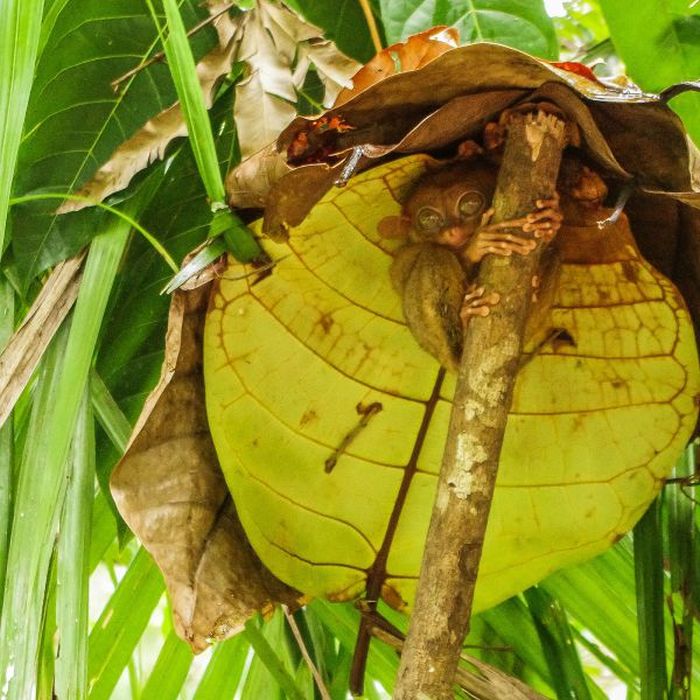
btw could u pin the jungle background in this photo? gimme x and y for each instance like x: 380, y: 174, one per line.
x: 84, y: 612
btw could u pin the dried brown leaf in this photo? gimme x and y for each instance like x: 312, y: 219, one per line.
x: 148, y: 144
x: 22, y: 354
x: 172, y: 494
x: 279, y: 47
x: 415, y: 52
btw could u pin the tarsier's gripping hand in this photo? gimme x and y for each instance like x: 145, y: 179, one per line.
x: 543, y: 223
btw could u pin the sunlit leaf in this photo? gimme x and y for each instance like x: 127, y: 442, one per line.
x: 658, y: 43
x: 517, y: 23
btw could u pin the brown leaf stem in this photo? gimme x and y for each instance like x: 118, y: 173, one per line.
x: 483, y: 395
x: 20, y: 357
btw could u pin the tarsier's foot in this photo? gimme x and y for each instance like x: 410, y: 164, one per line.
x: 477, y: 303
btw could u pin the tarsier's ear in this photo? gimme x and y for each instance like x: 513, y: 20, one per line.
x: 394, y: 226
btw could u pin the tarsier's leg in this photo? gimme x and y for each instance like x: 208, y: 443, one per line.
x: 431, y: 283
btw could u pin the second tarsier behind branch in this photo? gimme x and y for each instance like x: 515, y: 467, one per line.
x: 446, y: 221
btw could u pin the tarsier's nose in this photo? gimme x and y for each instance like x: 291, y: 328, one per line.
x: 454, y: 236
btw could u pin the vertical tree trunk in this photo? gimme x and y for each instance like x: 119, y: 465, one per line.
x: 483, y: 395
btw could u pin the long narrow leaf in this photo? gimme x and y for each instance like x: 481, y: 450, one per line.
x: 19, y: 38
x: 224, y: 670
x: 121, y: 624
x: 170, y: 670
x: 108, y: 413
x: 7, y: 319
x: 73, y: 562
x: 238, y: 237
x: 103, y: 530
x: 557, y: 641
x: 41, y: 498
x: 19, y: 663
x: 269, y: 657
x: 682, y: 553
x: 649, y: 577
x: 183, y: 70
x: 600, y: 595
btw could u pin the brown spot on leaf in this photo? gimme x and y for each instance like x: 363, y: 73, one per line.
x: 326, y: 322
x: 308, y: 417
x: 366, y: 411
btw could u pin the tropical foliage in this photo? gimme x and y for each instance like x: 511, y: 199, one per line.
x: 83, y: 607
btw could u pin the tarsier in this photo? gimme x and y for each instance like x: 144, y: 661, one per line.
x: 446, y: 221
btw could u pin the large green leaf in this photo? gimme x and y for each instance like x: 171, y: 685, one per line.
x: 75, y: 119
x: 658, y: 41
x: 522, y: 24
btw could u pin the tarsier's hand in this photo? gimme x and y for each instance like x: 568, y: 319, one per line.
x: 543, y: 222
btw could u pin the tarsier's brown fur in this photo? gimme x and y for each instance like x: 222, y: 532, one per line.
x: 434, y: 272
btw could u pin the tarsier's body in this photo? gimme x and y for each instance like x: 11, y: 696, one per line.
x: 446, y: 221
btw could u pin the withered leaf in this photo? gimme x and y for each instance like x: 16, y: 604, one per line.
x: 172, y: 494
x: 149, y: 143
x: 26, y: 347
x: 279, y: 48
x: 415, y: 52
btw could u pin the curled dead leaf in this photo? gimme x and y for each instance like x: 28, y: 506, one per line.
x: 632, y: 135
x: 172, y: 494
x: 415, y: 52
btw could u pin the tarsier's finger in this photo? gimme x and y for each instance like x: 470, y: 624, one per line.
x: 486, y: 217
x: 474, y: 293
x: 506, y: 244
x: 512, y: 223
x: 550, y: 214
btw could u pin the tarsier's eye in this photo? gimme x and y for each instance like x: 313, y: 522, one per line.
x: 471, y: 203
x: 429, y: 219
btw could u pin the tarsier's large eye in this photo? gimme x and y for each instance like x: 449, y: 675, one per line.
x: 429, y: 219
x: 471, y: 203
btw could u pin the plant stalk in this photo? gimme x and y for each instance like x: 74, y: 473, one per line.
x: 483, y: 395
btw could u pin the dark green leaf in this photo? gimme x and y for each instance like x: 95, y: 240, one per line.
x: 649, y: 577
x: 566, y: 672
x: 342, y: 21
x: 72, y: 97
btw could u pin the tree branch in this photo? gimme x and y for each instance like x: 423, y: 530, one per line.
x: 482, y: 399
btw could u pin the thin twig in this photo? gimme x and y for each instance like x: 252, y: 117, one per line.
x: 325, y: 695
x: 371, y: 24
x: 156, y: 58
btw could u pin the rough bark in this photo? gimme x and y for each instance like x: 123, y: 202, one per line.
x: 483, y: 395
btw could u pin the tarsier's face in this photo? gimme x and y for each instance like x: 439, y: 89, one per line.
x: 447, y: 206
